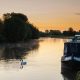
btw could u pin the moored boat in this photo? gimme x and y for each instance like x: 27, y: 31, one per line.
x: 71, y: 56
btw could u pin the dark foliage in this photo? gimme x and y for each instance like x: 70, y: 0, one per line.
x: 70, y: 32
x: 16, y: 28
x: 58, y: 33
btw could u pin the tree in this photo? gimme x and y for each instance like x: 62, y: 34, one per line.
x: 2, y: 37
x: 34, y: 31
x: 15, y: 15
x: 18, y: 28
x: 55, y: 32
x: 14, y: 30
x: 1, y: 27
x: 20, y: 16
x: 70, y: 32
x: 70, y: 29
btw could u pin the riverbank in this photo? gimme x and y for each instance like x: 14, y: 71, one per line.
x: 61, y: 36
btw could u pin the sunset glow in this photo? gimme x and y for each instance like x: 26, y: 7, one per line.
x: 46, y: 14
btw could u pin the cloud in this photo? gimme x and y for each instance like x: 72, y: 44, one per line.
x: 77, y: 13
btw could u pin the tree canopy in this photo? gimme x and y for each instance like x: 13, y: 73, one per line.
x: 17, y: 28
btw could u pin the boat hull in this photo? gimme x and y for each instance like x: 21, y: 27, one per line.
x: 70, y: 63
x: 69, y: 69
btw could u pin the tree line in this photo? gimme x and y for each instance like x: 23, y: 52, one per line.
x: 58, y: 33
x: 15, y: 27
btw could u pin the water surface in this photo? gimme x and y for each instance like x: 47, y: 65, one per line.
x: 42, y: 63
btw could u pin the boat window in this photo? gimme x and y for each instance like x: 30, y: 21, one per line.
x: 72, y: 49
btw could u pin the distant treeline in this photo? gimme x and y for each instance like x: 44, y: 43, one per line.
x: 15, y: 27
x: 58, y: 33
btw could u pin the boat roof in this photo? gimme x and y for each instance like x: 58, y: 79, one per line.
x: 75, y: 39
x: 77, y: 35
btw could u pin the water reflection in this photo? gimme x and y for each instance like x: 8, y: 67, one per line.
x: 70, y: 70
x: 71, y: 74
x: 17, y: 51
x: 42, y: 64
x: 14, y: 54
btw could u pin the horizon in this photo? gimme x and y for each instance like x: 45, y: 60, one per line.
x: 46, y: 14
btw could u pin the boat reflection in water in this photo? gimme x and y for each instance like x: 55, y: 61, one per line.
x: 69, y: 72
x: 70, y: 62
x: 14, y: 54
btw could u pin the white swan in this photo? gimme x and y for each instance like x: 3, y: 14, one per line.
x: 23, y: 63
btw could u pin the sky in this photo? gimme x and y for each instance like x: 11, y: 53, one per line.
x: 46, y: 14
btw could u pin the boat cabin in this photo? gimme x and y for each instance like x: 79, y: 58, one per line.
x: 72, y: 49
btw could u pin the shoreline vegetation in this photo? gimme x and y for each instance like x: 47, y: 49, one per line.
x: 15, y: 28
x: 58, y: 34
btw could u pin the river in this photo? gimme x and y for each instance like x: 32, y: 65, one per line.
x: 41, y: 63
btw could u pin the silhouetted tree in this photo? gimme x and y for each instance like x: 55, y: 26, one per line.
x: 46, y: 31
x: 14, y: 30
x: 15, y: 15
x: 18, y: 28
x: 6, y: 16
x: 70, y: 32
x: 55, y: 32
x: 70, y: 29
x: 1, y: 27
x: 34, y: 31
x: 20, y: 16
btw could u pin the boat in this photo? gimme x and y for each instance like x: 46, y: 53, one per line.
x: 70, y: 60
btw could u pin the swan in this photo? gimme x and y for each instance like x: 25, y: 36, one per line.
x: 23, y: 63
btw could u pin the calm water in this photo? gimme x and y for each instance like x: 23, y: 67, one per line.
x: 42, y: 62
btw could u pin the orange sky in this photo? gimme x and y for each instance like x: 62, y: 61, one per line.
x: 46, y: 14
